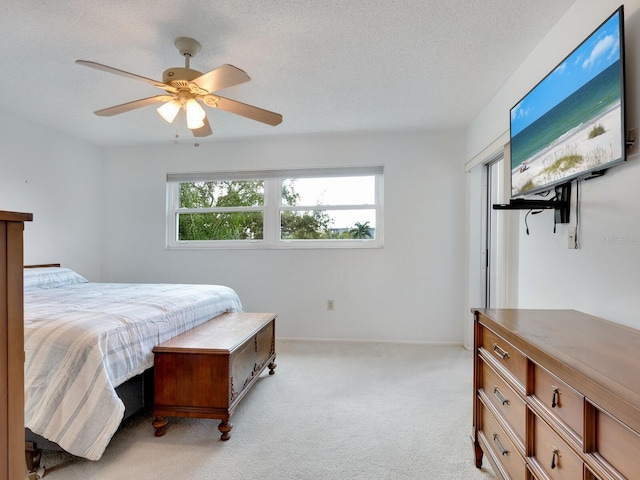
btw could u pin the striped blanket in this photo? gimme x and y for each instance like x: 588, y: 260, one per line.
x: 83, y: 339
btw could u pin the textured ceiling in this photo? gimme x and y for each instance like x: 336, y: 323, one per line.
x: 325, y: 65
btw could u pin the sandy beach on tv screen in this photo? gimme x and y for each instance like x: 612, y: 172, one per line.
x: 594, y: 152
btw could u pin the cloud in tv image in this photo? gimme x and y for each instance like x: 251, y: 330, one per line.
x: 571, y: 122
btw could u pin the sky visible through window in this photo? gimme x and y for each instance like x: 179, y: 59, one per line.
x: 329, y: 191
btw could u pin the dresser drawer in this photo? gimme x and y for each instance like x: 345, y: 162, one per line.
x: 560, y: 399
x: 510, y: 405
x: 618, y: 445
x: 501, y: 446
x: 553, y: 455
x: 507, y: 355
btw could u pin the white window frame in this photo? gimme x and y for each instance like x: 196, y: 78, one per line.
x: 272, y: 208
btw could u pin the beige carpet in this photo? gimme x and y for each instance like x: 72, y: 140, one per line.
x: 332, y: 411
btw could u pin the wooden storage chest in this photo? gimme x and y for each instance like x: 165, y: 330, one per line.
x: 206, y: 371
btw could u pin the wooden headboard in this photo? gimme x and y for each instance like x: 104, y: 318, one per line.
x: 43, y: 265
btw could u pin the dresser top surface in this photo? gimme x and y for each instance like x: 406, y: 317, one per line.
x: 15, y: 216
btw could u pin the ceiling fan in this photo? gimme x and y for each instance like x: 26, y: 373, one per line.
x: 186, y: 88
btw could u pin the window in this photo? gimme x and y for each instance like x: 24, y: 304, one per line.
x: 317, y: 208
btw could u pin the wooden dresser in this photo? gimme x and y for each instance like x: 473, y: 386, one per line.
x: 12, y: 344
x: 556, y: 395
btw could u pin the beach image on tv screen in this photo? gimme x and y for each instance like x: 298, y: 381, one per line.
x: 571, y: 122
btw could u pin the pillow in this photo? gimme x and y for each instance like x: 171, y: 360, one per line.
x: 50, y: 277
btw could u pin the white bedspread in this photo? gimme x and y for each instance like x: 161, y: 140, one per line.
x: 84, y: 339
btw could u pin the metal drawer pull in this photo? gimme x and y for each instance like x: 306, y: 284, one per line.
x: 554, y: 464
x: 500, y: 396
x: 496, y: 440
x: 500, y: 351
x: 555, y: 400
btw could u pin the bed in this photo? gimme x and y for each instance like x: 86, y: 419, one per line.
x: 86, y: 341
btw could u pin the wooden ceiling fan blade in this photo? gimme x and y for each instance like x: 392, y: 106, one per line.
x: 203, y: 131
x: 221, y: 77
x: 239, y: 108
x: 105, y: 68
x: 125, y: 107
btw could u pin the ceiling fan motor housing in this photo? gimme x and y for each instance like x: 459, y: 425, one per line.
x: 181, y: 78
x: 179, y: 74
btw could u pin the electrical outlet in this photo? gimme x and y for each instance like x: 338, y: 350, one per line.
x: 329, y: 304
x: 572, y: 238
x: 632, y: 141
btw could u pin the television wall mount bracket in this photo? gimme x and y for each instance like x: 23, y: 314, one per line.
x: 561, y: 203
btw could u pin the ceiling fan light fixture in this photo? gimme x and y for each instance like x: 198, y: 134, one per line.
x: 169, y: 110
x: 183, y: 86
x: 195, y: 114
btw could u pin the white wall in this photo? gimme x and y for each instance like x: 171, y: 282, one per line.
x: 410, y: 290
x: 57, y: 178
x: 601, y: 278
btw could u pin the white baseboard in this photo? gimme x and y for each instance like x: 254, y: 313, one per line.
x: 354, y: 340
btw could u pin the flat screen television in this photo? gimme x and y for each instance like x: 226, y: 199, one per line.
x: 571, y: 125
